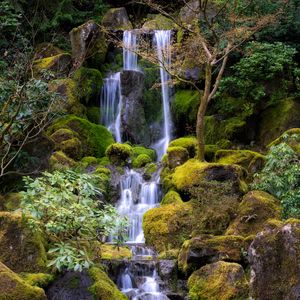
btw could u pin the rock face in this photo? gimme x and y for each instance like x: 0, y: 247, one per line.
x: 190, y: 13
x: 274, y: 257
x: 116, y: 19
x: 253, y: 212
x: 12, y: 287
x: 220, y: 280
x: 88, y: 41
x: 133, y: 119
x: 20, y: 249
x: 205, y: 249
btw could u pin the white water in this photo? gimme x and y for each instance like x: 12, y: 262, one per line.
x: 162, y: 39
x: 130, y: 59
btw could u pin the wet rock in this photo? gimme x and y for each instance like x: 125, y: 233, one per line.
x: 133, y: 118
x: 220, y: 280
x: 274, y: 257
x: 253, y: 212
x: 116, y: 19
x: 167, y: 268
x: 205, y: 249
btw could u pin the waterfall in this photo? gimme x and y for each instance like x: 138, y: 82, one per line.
x: 129, y: 50
x: 111, y: 96
x: 111, y: 105
x: 162, y: 39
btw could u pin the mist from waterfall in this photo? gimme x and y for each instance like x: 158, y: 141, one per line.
x: 162, y: 40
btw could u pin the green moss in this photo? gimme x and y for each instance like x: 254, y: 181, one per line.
x: 184, y: 110
x: 102, y: 170
x: 72, y: 148
x: 158, y: 22
x: 119, y: 153
x: 169, y: 254
x: 10, y: 202
x: 28, y: 253
x: 60, y: 161
x: 189, y: 143
x: 141, y: 161
x: 12, y: 287
x: 88, y: 83
x: 277, y: 119
x: 176, y: 156
x: 218, y: 281
x: 113, y: 252
x: 210, y: 151
x: 103, y: 288
x: 89, y: 161
x: 104, y: 161
x: 94, y: 138
x: 93, y: 114
x: 41, y: 280
x: 253, y: 213
x: 137, y: 150
x: 171, y: 197
x: 63, y: 134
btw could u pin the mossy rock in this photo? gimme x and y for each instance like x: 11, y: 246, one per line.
x: 60, y: 161
x: 63, y: 134
x: 158, y: 22
x: 274, y: 261
x: 20, y: 249
x: 102, y: 170
x: 184, y: 109
x: 41, y: 280
x: 137, y: 150
x: 291, y: 137
x: 210, y: 152
x: 109, y: 252
x: 58, y: 64
x: 116, y: 19
x: 93, y: 114
x: 94, y: 138
x: 253, y: 212
x: 277, y: 119
x: 119, y: 153
x: 204, y: 249
x: 10, y: 202
x: 189, y: 143
x: 141, y: 161
x: 252, y: 161
x: 69, y: 101
x: 171, y: 197
x: 89, y: 161
x: 103, y: 287
x: 176, y: 156
x: 72, y: 148
x: 13, y: 287
x: 88, y: 82
x: 45, y: 49
x: 219, y: 281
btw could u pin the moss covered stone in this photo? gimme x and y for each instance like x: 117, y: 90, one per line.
x: 119, y: 153
x: 20, y: 249
x: 45, y: 49
x: 69, y: 101
x: 93, y: 114
x: 88, y: 83
x: 72, y: 148
x: 88, y: 161
x: 253, y: 212
x: 141, y: 161
x: 158, y: 22
x: 103, y: 288
x: 116, y: 19
x: 176, y: 156
x: 218, y: 281
x: 63, y: 134
x: 10, y: 202
x: 171, y: 197
x: 109, y: 252
x: 41, y: 280
x: 205, y: 249
x: 60, y: 161
x: 137, y: 150
x: 12, y: 287
x: 277, y: 119
x: 58, y: 64
x: 189, y: 143
x: 252, y: 161
x: 274, y: 261
x: 94, y: 138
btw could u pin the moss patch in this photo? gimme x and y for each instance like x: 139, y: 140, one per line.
x: 119, y: 153
x: 171, y: 197
x: 10, y: 202
x: 60, y: 161
x: 41, y: 280
x: 176, y: 156
x: 137, y: 150
x: 112, y: 252
x: 189, y: 143
x: 158, y: 22
x: 141, y: 161
x: 93, y: 114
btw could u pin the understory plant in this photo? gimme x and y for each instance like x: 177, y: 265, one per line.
x: 281, y: 178
x: 67, y: 207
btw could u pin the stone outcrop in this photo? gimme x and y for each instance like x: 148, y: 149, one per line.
x: 116, y: 19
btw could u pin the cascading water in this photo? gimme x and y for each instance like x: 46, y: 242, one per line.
x: 130, y: 58
x: 162, y: 39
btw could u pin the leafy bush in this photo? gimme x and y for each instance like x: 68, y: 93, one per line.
x: 64, y: 205
x: 281, y: 178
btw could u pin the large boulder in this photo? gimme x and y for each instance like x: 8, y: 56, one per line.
x: 116, y: 19
x: 220, y: 280
x: 13, y: 287
x: 253, y: 212
x: 204, y: 249
x: 274, y: 257
x: 277, y: 119
x: 20, y: 249
x: 158, y: 22
x: 88, y: 43
x: 134, y: 127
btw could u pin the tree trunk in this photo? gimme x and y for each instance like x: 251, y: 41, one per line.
x: 201, y: 113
